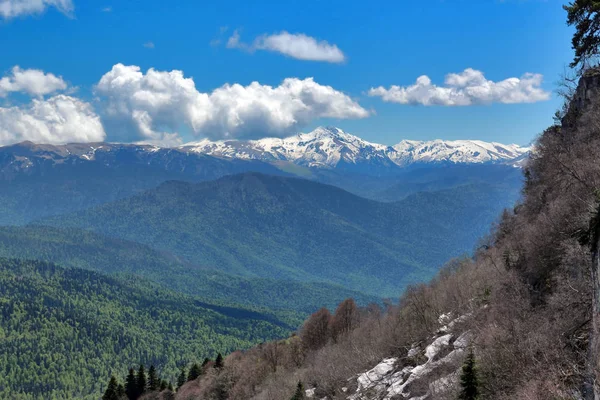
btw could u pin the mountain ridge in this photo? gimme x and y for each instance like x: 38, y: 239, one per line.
x: 290, y: 228
x: 324, y: 147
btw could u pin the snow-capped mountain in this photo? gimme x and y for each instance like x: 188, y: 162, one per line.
x: 332, y: 147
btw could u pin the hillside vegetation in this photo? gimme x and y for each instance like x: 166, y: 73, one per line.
x: 63, y: 330
x: 522, y: 304
x: 257, y: 225
x: 79, y: 248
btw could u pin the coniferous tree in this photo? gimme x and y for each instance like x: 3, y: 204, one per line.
x: 195, y: 372
x: 585, y: 16
x: 121, y: 391
x: 112, y: 392
x: 153, y: 381
x: 141, y: 381
x: 171, y: 387
x: 469, y: 382
x: 299, y: 395
x: 219, y: 361
x: 182, y: 379
x: 163, y: 385
x: 131, y: 388
x: 205, y: 362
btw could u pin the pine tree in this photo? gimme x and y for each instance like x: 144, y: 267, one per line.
x: 219, y: 361
x: 131, y: 389
x: 163, y: 385
x: 112, y: 390
x: 141, y: 381
x: 153, y: 381
x: 120, y: 391
x: 195, y: 372
x: 585, y: 16
x: 205, y: 362
x: 171, y: 387
x: 469, y: 382
x: 299, y: 395
x: 181, y: 380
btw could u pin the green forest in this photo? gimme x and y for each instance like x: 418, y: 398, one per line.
x: 63, y: 332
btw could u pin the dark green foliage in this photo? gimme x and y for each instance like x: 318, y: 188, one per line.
x: 219, y: 362
x: 121, y: 391
x: 299, y: 395
x: 205, y: 362
x: 171, y: 389
x: 293, y: 229
x: 153, y: 381
x: 142, y: 383
x: 195, y: 372
x: 182, y: 378
x: 112, y: 391
x: 584, y: 15
x: 83, y: 249
x: 71, y: 329
x: 469, y: 381
x: 163, y: 385
x: 131, y: 387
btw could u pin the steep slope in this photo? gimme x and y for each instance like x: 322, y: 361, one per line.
x: 287, y: 228
x: 519, y: 320
x: 83, y: 249
x: 63, y: 330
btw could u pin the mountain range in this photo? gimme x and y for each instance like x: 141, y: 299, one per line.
x: 267, y: 226
x: 330, y: 147
x: 240, y: 240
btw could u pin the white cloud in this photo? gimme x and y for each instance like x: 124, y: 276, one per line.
x: 298, y: 45
x: 59, y: 119
x: 107, y: 9
x: 149, y: 45
x: 31, y: 81
x: 17, y: 8
x: 469, y: 87
x: 159, y: 103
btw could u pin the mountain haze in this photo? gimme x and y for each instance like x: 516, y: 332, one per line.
x: 287, y: 228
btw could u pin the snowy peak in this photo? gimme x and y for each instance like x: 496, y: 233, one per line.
x: 323, y: 147
x: 330, y: 147
x: 457, y: 151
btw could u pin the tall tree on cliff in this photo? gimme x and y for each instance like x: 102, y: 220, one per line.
x: 585, y: 16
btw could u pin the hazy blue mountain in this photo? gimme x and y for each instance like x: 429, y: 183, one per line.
x: 257, y: 225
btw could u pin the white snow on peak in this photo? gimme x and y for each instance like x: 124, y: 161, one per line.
x: 326, y: 147
x: 457, y: 151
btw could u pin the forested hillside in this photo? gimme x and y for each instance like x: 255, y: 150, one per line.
x: 286, y: 228
x: 84, y: 249
x: 62, y: 331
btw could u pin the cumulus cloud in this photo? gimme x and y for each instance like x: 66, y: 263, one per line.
x: 31, y: 81
x: 17, y: 8
x: 295, y: 45
x: 149, y: 45
x: 156, y: 105
x: 469, y: 87
x: 57, y: 120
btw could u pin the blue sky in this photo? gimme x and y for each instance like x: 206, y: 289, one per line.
x: 383, y: 44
